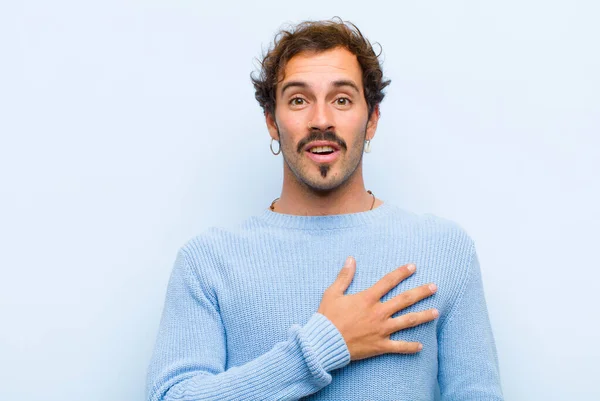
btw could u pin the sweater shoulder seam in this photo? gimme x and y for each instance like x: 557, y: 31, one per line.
x: 463, y: 286
x: 196, y: 273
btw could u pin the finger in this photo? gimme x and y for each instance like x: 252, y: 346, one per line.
x: 390, y: 280
x: 411, y: 320
x: 345, y: 276
x: 402, y: 347
x: 408, y: 298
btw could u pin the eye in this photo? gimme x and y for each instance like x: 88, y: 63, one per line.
x: 343, y: 101
x: 296, y: 101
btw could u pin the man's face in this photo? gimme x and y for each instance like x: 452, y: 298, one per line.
x: 321, y: 102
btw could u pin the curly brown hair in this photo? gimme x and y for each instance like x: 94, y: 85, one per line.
x: 318, y: 36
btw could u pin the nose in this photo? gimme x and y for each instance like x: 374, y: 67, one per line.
x: 321, y: 118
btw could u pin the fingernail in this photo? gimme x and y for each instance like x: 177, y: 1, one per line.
x: 420, y: 347
x: 348, y: 261
x: 411, y: 267
x: 432, y: 287
x: 435, y: 313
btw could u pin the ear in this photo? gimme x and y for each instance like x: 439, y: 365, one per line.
x: 271, y: 125
x: 372, y: 123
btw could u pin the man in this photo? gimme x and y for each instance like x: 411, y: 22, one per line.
x: 264, y: 312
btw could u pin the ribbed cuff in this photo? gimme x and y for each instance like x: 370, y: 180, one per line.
x: 323, y: 344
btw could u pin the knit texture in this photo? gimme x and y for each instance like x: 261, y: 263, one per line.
x: 240, y: 320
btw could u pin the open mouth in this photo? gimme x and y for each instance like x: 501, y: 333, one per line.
x: 323, y: 154
x: 322, y: 150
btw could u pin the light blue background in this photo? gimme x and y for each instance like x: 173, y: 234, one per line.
x: 128, y: 127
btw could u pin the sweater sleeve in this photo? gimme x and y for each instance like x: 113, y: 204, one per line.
x: 468, y: 363
x: 189, y: 358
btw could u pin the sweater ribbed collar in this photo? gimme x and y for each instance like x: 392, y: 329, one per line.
x: 328, y: 222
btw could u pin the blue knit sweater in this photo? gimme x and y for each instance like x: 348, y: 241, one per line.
x: 240, y: 321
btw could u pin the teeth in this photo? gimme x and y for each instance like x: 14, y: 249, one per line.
x: 322, y: 149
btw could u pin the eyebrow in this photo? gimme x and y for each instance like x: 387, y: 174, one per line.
x: 293, y: 84
x: 346, y: 82
x: 304, y: 85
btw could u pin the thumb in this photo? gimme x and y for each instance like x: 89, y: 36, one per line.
x: 345, y: 276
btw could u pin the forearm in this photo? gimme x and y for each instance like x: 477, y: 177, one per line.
x: 292, y: 369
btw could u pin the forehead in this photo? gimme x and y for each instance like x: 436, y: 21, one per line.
x: 338, y: 63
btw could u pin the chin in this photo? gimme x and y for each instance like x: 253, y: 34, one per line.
x: 322, y: 185
x: 321, y: 188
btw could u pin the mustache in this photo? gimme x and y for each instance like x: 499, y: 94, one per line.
x: 318, y: 135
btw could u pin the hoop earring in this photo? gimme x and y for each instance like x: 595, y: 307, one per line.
x: 278, y: 150
x: 368, y: 146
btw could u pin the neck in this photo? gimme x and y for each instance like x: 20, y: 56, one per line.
x: 298, y: 199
